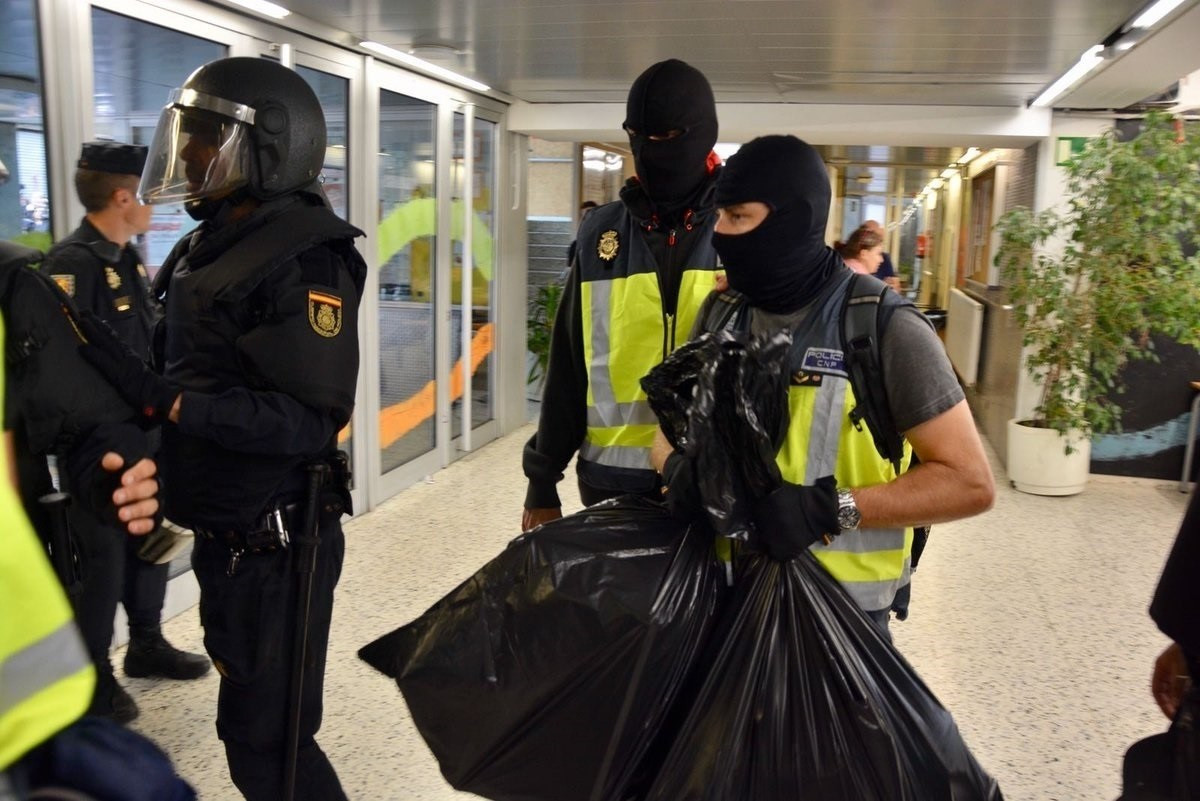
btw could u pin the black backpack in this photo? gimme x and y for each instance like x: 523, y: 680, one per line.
x: 50, y: 390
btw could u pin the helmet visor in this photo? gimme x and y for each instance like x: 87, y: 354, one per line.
x: 195, y: 154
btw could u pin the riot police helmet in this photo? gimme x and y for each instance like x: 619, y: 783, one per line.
x: 238, y: 127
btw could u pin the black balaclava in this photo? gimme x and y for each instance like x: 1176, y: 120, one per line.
x: 671, y: 96
x: 783, y: 264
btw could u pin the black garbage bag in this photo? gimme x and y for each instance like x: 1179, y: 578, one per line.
x: 722, y: 399
x: 801, y: 696
x: 544, y: 676
x: 806, y: 699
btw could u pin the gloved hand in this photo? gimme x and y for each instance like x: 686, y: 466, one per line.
x: 793, y: 517
x: 146, y: 390
x: 681, y: 494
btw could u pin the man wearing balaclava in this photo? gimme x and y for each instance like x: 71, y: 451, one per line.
x: 840, y: 497
x: 642, y: 267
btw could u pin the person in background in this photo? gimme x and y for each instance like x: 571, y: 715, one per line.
x: 863, y: 251
x: 98, y: 266
x: 642, y: 267
x: 840, y: 498
x: 886, y: 271
x: 1166, y: 767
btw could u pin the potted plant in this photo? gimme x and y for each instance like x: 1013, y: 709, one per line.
x: 539, y: 325
x: 1091, y: 281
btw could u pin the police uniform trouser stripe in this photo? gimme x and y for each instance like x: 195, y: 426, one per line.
x: 599, y: 380
x: 826, y: 429
x: 616, y: 455
x: 57, y: 656
x: 637, y: 413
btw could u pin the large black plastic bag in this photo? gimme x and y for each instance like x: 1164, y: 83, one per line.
x: 801, y: 697
x: 545, y: 675
x: 805, y: 699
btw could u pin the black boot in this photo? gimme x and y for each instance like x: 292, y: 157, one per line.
x: 150, y: 654
x: 110, y: 699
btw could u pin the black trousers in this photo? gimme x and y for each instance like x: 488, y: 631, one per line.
x: 249, y: 621
x: 144, y: 587
x: 112, y: 573
x: 102, y: 556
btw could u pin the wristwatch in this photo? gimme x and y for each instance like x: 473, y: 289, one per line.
x: 848, y: 515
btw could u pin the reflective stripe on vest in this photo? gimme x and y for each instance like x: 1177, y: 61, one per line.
x: 46, y: 678
x: 625, y: 334
x: 871, y: 564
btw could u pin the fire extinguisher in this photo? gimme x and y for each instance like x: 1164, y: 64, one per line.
x: 922, y: 245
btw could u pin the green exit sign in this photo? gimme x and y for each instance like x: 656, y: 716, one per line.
x: 1068, y: 147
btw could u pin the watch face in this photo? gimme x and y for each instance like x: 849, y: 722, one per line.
x: 848, y: 514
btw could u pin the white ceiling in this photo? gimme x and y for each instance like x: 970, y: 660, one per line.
x: 996, y: 53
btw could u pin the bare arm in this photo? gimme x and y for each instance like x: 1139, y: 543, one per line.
x: 952, y: 481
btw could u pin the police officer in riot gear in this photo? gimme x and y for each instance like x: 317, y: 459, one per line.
x: 257, y: 360
x: 98, y: 266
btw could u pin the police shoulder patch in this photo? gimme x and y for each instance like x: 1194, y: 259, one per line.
x: 324, y: 313
x: 608, y: 245
x: 824, y: 360
x: 66, y: 282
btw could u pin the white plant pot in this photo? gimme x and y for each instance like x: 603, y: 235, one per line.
x: 1038, y: 464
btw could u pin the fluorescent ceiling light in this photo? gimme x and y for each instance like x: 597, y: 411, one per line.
x: 1155, y: 12
x: 1087, y: 62
x: 422, y: 64
x: 967, y: 157
x: 949, y: 173
x: 263, y: 7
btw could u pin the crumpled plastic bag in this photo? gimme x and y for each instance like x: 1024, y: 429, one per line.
x: 804, y: 698
x: 547, y: 673
x: 722, y: 400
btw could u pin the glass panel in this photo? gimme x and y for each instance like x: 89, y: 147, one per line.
x: 24, y: 188
x: 334, y: 93
x: 483, y: 234
x: 405, y: 239
x: 136, y: 66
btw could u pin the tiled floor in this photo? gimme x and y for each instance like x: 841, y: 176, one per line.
x: 1028, y: 622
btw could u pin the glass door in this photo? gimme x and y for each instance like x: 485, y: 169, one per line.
x: 473, y: 269
x: 405, y: 245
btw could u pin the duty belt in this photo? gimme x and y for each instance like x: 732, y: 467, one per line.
x: 271, y: 532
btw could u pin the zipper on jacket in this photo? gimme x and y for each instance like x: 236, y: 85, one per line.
x: 665, y: 283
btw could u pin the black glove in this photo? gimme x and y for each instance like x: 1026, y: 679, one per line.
x: 793, y: 517
x: 146, y: 390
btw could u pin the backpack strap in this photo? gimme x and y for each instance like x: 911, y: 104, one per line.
x: 865, y: 314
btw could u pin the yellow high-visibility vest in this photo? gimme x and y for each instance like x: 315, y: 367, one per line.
x: 627, y: 331
x: 46, y: 678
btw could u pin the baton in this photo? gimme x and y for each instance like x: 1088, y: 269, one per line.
x: 306, y: 560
